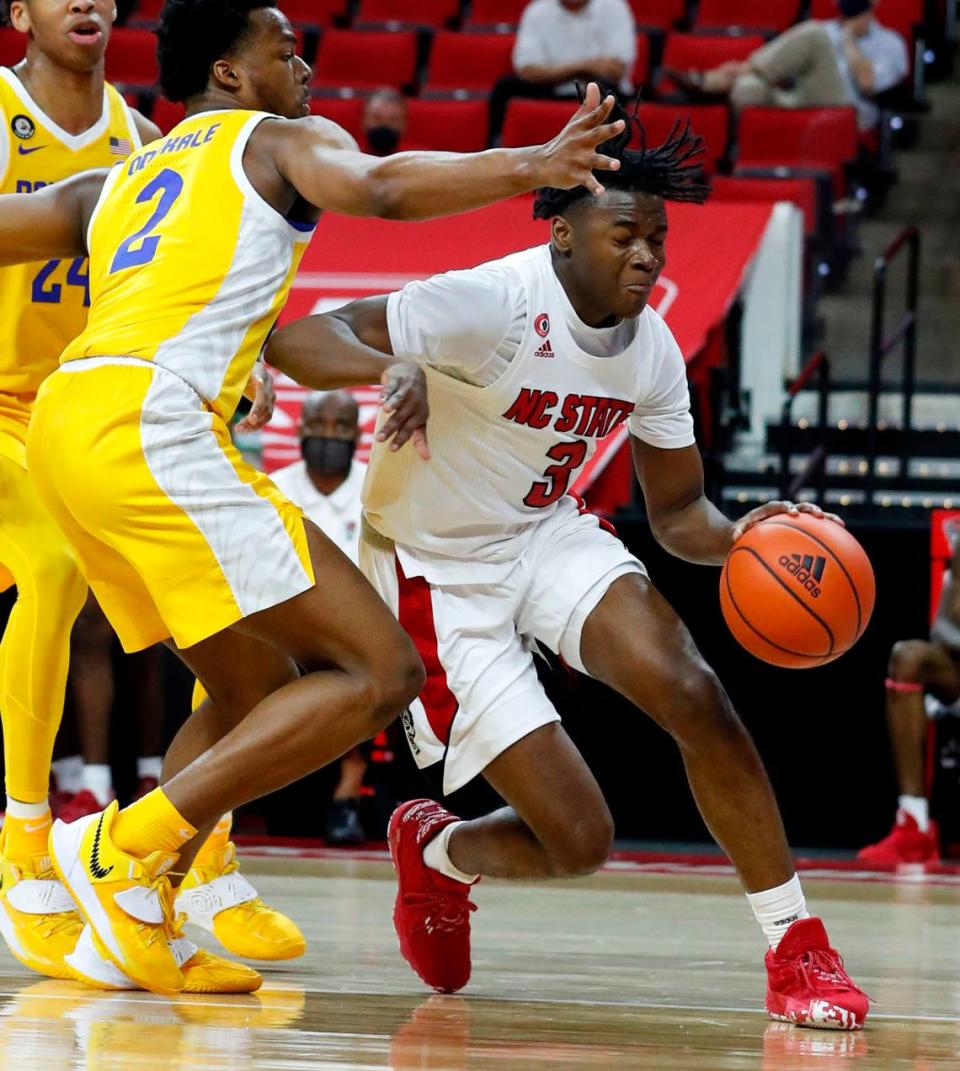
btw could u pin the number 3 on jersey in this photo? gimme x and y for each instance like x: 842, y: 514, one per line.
x: 169, y: 185
x: 569, y: 457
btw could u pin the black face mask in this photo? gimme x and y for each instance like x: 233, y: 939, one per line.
x: 383, y: 139
x: 327, y: 457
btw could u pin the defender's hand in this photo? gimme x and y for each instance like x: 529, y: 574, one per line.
x: 570, y: 159
x: 264, y: 401
x: 404, y: 397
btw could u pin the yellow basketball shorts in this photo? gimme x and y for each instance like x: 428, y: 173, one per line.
x: 176, y: 534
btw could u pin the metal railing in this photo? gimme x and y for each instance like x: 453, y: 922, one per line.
x: 816, y: 466
x: 905, y: 334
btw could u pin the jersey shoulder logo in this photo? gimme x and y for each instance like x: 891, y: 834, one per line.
x: 23, y: 150
x: 542, y: 325
x: 546, y: 350
x: 23, y: 127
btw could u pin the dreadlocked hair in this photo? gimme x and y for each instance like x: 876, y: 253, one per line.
x: 672, y: 170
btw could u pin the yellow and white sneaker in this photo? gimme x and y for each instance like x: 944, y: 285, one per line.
x: 127, y: 902
x: 203, y: 972
x: 218, y: 898
x: 38, y: 919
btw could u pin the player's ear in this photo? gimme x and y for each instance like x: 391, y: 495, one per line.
x: 226, y: 74
x: 562, y: 235
x: 19, y: 16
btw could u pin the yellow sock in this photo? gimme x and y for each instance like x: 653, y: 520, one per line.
x: 151, y: 824
x: 26, y: 837
x: 217, y: 839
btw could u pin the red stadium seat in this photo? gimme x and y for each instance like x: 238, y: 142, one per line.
x: 701, y: 52
x: 502, y: 15
x: 658, y: 14
x: 436, y: 13
x: 711, y: 121
x: 132, y: 58
x: 166, y: 114
x: 471, y: 62
x: 823, y: 139
x: 773, y: 15
x: 801, y: 191
x: 641, y: 68
x: 13, y: 47
x: 450, y: 125
x: 146, y: 13
x: 532, y: 122
x: 313, y: 13
x: 365, y: 60
x: 345, y: 111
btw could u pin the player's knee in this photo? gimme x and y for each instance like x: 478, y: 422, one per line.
x: 586, y: 845
x: 695, y: 704
x: 394, y: 685
x: 59, y: 581
x: 908, y: 659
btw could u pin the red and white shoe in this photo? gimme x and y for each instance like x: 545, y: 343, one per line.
x: 807, y: 985
x: 432, y: 912
x: 905, y: 843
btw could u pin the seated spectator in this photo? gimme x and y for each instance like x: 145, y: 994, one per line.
x: 384, y: 122
x: 919, y: 669
x: 560, y: 42
x: 846, y: 60
x: 326, y: 485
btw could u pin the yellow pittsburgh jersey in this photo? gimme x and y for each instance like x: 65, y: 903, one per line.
x: 44, y: 305
x: 189, y: 266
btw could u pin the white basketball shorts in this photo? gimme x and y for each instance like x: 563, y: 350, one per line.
x: 476, y: 640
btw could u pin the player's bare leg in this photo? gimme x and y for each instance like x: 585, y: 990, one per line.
x: 916, y: 667
x: 360, y: 671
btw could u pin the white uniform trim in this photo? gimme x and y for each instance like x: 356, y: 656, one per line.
x: 187, y: 462
x: 72, y: 141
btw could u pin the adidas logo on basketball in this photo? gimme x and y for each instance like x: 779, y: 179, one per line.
x: 806, y: 569
x: 546, y: 350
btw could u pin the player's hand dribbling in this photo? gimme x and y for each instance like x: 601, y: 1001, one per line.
x: 570, y: 159
x: 404, y: 397
x: 264, y: 401
x: 772, y: 509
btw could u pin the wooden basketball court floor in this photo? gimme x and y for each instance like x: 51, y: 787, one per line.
x: 623, y: 970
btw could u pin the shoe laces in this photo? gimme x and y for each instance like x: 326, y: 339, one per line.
x: 820, y: 966
x: 440, y: 912
x: 172, y: 921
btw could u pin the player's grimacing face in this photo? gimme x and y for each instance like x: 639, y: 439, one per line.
x: 277, y: 79
x: 618, y: 247
x: 74, y: 33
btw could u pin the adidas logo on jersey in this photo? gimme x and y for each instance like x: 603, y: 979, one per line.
x: 806, y: 569
x: 546, y: 350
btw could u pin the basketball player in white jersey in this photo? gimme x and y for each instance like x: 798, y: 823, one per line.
x: 481, y: 553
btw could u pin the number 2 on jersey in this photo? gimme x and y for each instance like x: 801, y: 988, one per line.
x: 570, y: 457
x: 169, y: 185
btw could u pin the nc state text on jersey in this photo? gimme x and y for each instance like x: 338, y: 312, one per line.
x: 580, y: 414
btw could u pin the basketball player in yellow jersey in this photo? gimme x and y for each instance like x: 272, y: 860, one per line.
x: 57, y: 118
x: 194, y: 242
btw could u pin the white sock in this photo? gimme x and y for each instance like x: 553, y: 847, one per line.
x: 16, y: 809
x: 436, y: 857
x: 778, y: 909
x: 918, y: 807
x: 98, y: 779
x: 69, y: 773
x: 150, y: 766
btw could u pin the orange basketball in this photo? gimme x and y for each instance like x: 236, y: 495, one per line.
x: 797, y: 591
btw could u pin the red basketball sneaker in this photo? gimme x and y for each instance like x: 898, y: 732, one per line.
x: 904, y: 844
x: 807, y: 985
x: 432, y: 912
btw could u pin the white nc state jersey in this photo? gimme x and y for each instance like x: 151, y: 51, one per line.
x: 505, y: 454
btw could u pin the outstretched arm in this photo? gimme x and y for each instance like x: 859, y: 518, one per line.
x: 329, y: 174
x: 50, y: 224
x: 350, y: 347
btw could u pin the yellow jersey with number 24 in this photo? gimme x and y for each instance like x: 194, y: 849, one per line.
x: 189, y: 265
x: 44, y: 305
